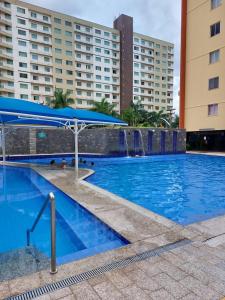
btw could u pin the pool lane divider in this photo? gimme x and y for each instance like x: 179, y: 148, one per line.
x: 52, y: 287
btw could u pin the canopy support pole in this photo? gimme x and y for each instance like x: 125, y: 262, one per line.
x: 76, y: 149
x: 3, y: 144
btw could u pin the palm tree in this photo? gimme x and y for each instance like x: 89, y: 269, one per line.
x: 159, y: 119
x: 175, y: 122
x: 104, y: 107
x: 133, y: 115
x: 61, y: 99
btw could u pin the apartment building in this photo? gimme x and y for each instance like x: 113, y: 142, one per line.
x: 42, y: 50
x: 202, y: 89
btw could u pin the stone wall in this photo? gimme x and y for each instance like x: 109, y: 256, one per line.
x: 99, y: 140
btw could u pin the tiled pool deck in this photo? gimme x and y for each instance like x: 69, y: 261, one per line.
x: 193, y: 271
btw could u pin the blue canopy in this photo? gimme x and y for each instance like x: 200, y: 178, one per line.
x: 21, y: 112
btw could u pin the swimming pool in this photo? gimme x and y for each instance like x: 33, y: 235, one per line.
x: 79, y: 233
x: 185, y: 188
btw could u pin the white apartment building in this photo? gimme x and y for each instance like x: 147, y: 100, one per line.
x: 42, y: 50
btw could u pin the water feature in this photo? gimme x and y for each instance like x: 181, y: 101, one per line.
x: 123, y: 144
x: 126, y: 143
x: 150, y: 141
x: 163, y: 142
x: 174, y: 141
x: 142, y: 142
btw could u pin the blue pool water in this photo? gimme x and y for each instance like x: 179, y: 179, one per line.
x: 184, y: 188
x: 79, y: 233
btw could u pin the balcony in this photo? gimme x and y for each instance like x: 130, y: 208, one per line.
x: 4, y: 9
x: 5, y: 21
x: 5, y: 88
x: 5, y: 32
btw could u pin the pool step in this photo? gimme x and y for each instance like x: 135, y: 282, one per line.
x: 89, y: 252
x: 21, y: 262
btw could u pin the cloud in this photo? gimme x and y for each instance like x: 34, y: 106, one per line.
x: 156, y: 18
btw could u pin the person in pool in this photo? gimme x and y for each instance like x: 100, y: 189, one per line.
x: 63, y: 163
x: 52, y: 163
x: 73, y: 162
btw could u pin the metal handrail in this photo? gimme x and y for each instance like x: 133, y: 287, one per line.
x: 51, y: 198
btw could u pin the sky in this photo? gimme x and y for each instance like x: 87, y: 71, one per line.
x: 156, y: 18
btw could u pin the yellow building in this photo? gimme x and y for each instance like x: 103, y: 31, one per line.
x: 202, y: 85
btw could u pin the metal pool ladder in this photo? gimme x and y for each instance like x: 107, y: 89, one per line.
x: 51, y: 198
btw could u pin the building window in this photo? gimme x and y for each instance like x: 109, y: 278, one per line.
x: 7, y: 4
x: 34, y: 56
x: 46, y: 59
x: 34, y: 46
x: 23, y: 75
x: 57, y: 20
x: 46, y: 39
x: 58, y: 41
x: 215, y: 29
x: 213, y: 83
x: 212, y: 109
x: 22, y: 43
x: 35, y: 67
x: 23, y: 96
x: 22, y: 65
x: 34, y: 36
x: 57, y: 30
x: 68, y: 23
x: 22, y: 54
x: 215, y: 3
x: 69, y: 63
x: 23, y: 86
x: 214, y: 56
x: 21, y: 21
x: 20, y: 10
x: 45, y: 18
x: 45, y: 28
x: 69, y: 53
x: 59, y: 71
x: 68, y: 33
x: 58, y: 61
x: 33, y: 14
x: 57, y: 50
x: 21, y: 32
x: 68, y: 43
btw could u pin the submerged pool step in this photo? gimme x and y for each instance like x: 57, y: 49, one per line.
x: 49, y: 288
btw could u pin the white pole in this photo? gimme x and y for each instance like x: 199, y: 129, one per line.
x: 3, y: 144
x: 76, y: 149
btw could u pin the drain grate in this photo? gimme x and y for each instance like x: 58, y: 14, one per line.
x: 48, y: 288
